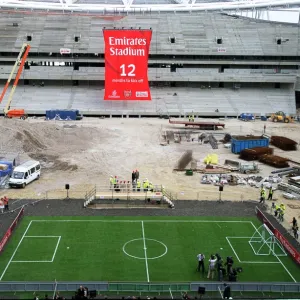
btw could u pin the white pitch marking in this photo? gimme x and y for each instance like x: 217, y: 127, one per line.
x: 31, y: 261
x: 41, y: 236
x: 233, y: 249
x: 260, y: 262
x: 15, y: 251
x: 276, y: 257
x: 218, y: 225
x: 153, y: 221
x: 248, y: 262
x: 155, y: 257
x: 58, y: 241
x: 220, y: 292
x: 145, y: 249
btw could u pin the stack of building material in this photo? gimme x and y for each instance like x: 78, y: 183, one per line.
x: 274, y: 161
x: 284, y: 143
x: 289, y: 188
x: 255, y: 153
x: 295, y: 181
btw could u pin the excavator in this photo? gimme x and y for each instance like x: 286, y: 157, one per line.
x: 15, y: 113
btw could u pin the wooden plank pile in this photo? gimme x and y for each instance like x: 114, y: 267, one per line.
x: 255, y: 153
x: 284, y: 143
x: 274, y: 161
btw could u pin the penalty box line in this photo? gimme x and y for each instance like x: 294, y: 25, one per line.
x: 41, y: 261
x: 14, y: 253
x: 246, y: 262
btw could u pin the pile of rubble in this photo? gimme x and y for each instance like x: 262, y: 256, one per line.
x: 251, y: 180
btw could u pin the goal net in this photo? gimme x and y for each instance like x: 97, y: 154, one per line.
x: 263, y: 242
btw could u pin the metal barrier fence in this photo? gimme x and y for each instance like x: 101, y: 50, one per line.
x: 17, y: 286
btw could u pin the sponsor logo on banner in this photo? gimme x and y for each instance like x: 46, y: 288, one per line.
x: 127, y: 94
x: 221, y: 49
x: 114, y: 95
x: 126, y: 64
x: 141, y: 94
x: 65, y: 51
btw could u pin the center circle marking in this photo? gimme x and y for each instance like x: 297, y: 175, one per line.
x: 155, y: 257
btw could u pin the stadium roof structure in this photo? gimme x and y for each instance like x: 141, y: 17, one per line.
x: 144, y: 6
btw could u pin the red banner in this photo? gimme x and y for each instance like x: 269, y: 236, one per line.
x: 126, y: 64
x: 288, y: 247
x: 11, y: 229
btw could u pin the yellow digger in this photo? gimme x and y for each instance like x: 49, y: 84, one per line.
x: 280, y: 116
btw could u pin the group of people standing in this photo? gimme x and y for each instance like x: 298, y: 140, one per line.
x: 263, y: 194
x: 135, y: 184
x: 215, y: 265
x: 279, y: 211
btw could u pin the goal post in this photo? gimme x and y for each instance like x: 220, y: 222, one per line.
x: 264, y: 242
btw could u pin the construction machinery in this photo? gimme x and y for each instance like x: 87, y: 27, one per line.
x: 280, y: 116
x: 15, y: 113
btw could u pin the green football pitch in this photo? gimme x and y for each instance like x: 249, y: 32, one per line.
x: 135, y: 249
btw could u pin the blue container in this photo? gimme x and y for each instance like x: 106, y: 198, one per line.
x: 247, y: 117
x: 8, y: 171
x: 239, y: 143
x: 62, y: 114
x: 263, y: 118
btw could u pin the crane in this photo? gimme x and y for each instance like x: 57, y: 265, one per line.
x: 15, y: 113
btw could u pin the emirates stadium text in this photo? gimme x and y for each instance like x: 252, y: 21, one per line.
x: 128, y: 50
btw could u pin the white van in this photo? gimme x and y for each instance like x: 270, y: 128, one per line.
x: 25, y: 173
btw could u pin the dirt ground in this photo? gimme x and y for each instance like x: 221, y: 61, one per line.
x: 85, y: 153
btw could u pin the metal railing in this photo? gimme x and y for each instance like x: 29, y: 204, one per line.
x: 159, y: 287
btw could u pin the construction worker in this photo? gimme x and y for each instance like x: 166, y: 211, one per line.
x: 262, y: 196
x: 191, y: 118
x: 145, y: 185
x: 282, y: 207
x: 281, y: 214
x: 270, y: 196
x: 276, y: 210
x: 115, y: 182
x: 138, y: 185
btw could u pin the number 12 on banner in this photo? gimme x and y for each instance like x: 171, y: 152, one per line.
x: 130, y: 69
